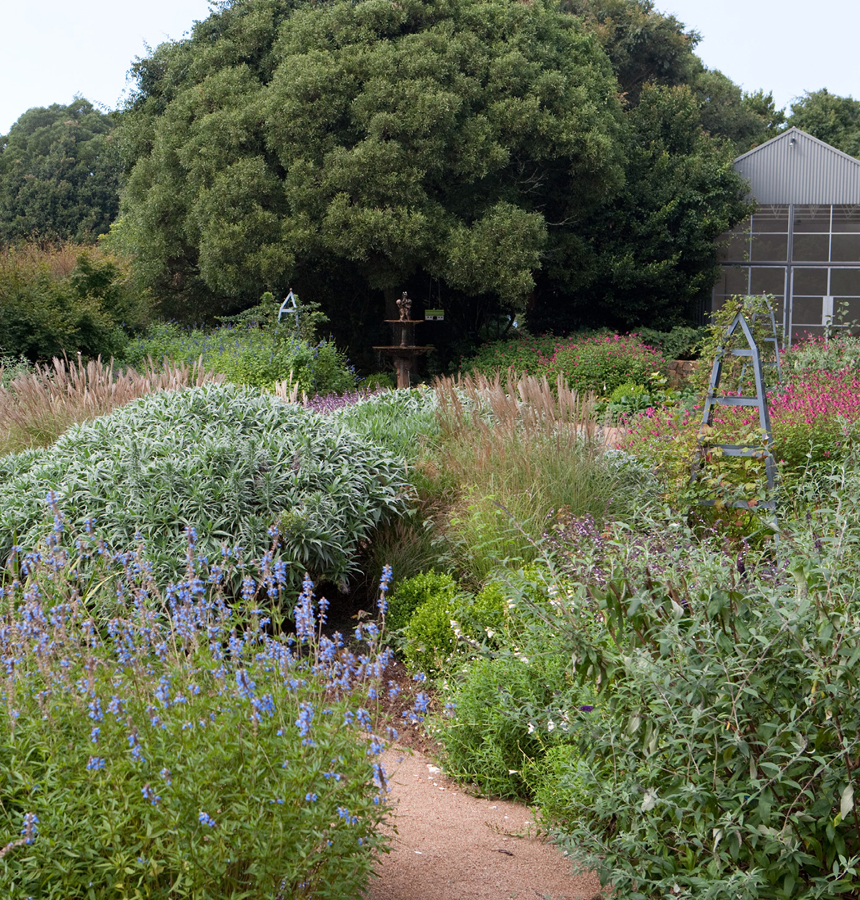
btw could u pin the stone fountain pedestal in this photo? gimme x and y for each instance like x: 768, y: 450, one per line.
x: 403, y: 349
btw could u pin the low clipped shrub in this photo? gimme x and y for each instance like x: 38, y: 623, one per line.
x: 429, y: 639
x: 443, y: 623
x: 249, y: 355
x: 196, y: 752
x: 227, y: 461
x: 412, y: 593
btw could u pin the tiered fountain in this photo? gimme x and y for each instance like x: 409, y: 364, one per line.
x: 404, y: 349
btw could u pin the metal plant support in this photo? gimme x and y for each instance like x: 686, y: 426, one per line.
x: 772, y: 338
x: 752, y: 357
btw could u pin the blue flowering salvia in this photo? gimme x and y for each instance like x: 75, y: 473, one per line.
x: 206, y: 819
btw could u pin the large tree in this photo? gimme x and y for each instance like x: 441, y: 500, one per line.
x: 59, y: 174
x: 648, y: 255
x: 458, y: 140
x: 830, y: 118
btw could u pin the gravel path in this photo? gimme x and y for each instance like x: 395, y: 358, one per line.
x: 453, y: 846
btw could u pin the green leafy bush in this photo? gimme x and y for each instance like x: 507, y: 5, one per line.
x: 249, y: 355
x: 682, y: 342
x: 601, y: 364
x: 729, y: 707
x: 66, y: 299
x: 227, y: 461
x: 412, y: 593
x: 526, y: 354
x: 191, y: 753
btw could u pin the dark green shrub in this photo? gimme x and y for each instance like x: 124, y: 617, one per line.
x: 682, y: 342
x: 227, y: 461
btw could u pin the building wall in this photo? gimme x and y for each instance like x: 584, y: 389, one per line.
x: 806, y: 256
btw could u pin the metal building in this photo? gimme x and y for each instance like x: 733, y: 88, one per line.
x: 802, y: 244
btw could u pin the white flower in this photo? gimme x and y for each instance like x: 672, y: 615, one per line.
x: 550, y: 725
x: 531, y: 728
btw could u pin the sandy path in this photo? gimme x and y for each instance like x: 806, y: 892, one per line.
x: 452, y: 846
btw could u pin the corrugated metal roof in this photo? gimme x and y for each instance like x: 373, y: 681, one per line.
x: 796, y: 167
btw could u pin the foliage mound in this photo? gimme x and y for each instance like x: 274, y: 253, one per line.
x: 403, y: 421
x: 227, y: 461
x: 196, y: 751
x: 64, y: 298
x: 587, y: 362
x: 39, y: 403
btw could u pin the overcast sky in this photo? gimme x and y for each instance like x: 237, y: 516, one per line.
x: 52, y: 49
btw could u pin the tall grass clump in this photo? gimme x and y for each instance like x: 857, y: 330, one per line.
x: 514, y: 450
x: 182, y: 745
x: 225, y: 460
x: 39, y: 404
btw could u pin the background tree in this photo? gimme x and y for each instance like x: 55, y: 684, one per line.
x: 59, y: 174
x: 830, y: 118
x: 649, y: 47
x: 443, y: 139
x: 650, y: 257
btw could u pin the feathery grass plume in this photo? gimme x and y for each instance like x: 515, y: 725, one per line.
x: 37, y: 407
x: 514, y: 449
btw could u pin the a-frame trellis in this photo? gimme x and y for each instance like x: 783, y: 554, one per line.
x: 760, y: 450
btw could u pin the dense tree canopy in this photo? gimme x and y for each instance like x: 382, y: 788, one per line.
x: 650, y: 255
x: 482, y: 148
x: 830, y: 118
x: 59, y: 174
x: 447, y: 137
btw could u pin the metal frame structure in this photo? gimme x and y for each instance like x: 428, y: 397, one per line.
x: 759, y: 401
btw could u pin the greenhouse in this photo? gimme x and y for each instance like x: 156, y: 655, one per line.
x: 802, y: 243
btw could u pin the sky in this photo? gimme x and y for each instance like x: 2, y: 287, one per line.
x: 51, y: 50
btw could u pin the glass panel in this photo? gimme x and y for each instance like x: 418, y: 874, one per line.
x: 805, y: 331
x: 847, y: 312
x: 807, y: 310
x: 737, y: 249
x: 770, y: 247
x: 733, y: 280
x: 771, y: 218
x: 846, y: 218
x: 811, y: 218
x: 844, y: 282
x: 768, y: 280
x: 812, y: 247
x: 846, y: 248
x: 810, y: 281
